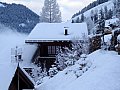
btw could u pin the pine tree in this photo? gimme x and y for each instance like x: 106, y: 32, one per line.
x: 82, y: 18
x: 106, y: 12
x: 92, y: 15
x: 77, y: 20
x: 73, y: 21
x: 118, y: 10
x: 96, y: 16
x: 101, y: 26
x: 50, y: 12
x: 110, y: 14
x: 115, y: 4
x: 90, y: 25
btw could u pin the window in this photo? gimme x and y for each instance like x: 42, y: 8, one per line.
x: 53, y: 49
x: 49, y: 49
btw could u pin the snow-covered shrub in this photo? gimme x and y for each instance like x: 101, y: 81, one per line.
x: 36, y: 73
x: 39, y: 80
x: 67, y: 57
x: 53, y: 71
x: 78, y: 73
x: 61, y: 59
x: 80, y: 66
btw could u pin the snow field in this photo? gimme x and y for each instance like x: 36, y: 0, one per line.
x: 103, y: 75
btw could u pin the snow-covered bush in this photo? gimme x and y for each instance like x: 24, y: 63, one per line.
x: 80, y: 66
x: 78, y: 73
x: 36, y: 73
x: 68, y: 57
x: 53, y: 71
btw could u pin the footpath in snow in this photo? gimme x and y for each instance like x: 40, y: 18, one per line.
x: 104, y: 74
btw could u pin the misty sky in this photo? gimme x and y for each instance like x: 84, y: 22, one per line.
x: 67, y: 7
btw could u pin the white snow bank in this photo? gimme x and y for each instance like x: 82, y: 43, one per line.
x: 103, y: 75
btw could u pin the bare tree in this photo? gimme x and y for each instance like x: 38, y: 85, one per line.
x: 50, y: 12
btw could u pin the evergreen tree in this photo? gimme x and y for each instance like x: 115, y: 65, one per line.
x: 73, y: 21
x: 96, y: 16
x: 92, y: 15
x: 77, y: 20
x: 110, y: 14
x: 101, y: 22
x: 114, y: 11
x: 106, y: 12
x: 118, y: 10
x: 90, y: 25
x: 82, y: 18
x: 50, y: 12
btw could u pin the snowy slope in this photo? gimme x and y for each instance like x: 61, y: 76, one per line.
x: 103, y: 75
x: 109, y: 5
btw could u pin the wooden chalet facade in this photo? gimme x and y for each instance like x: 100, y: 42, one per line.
x: 20, y: 81
x: 47, y: 51
x: 50, y: 38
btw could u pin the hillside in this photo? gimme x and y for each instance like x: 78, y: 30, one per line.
x: 109, y: 5
x: 103, y: 75
x: 90, y: 6
x: 18, y: 17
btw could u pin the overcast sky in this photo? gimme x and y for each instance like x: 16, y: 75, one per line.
x: 67, y: 7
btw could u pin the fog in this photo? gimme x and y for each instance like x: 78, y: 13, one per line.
x: 9, y: 39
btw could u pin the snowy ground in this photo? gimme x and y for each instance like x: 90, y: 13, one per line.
x: 104, y: 74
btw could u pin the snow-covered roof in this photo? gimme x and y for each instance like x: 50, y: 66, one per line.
x: 107, y: 38
x: 7, y: 72
x: 111, y: 21
x: 55, y: 31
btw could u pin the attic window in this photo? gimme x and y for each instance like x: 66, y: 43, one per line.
x: 65, y: 30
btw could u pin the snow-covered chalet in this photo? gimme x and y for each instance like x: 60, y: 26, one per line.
x: 49, y: 37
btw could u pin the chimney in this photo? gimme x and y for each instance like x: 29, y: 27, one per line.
x: 66, y: 31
